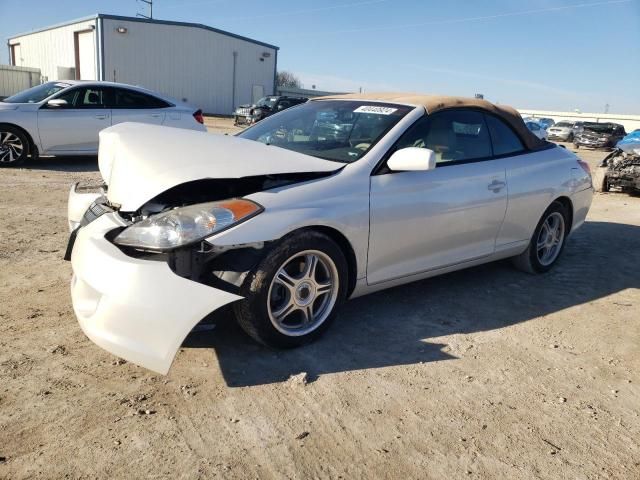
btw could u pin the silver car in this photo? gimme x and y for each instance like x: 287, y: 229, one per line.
x: 65, y: 117
x: 333, y: 199
x: 562, y: 131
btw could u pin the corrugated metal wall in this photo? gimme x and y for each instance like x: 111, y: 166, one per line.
x: 16, y: 79
x: 187, y: 63
x: 50, y: 49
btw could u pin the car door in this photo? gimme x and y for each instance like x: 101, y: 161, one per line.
x: 421, y: 221
x: 74, y: 127
x: 134, y: 106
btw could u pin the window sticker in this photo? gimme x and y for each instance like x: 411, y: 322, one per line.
x: 375, y: 109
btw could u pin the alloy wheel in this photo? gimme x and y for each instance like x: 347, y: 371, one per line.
x: 303, y: 293
x: 11, y: 147
x: 550, y: 238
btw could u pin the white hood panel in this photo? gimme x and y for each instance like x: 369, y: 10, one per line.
x: 139, y: 161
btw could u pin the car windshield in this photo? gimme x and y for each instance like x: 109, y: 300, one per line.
x: 337, y: 130
x: 564, y: 124
x: 38, y: 93
x: 267, y: 101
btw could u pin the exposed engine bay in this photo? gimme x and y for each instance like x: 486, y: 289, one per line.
x: 619, y: 171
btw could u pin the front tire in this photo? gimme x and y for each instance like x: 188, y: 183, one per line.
x: 14, y: 146
x: 599, y: 179
x: 292, y: 295
x: 547, y: 242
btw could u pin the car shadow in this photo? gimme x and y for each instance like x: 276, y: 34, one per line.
x: 64, y: 164
x: 402, y: 325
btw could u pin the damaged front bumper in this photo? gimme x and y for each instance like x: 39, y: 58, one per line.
x: 135, y: 308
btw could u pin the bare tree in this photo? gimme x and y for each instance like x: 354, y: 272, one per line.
x: 287, y: 80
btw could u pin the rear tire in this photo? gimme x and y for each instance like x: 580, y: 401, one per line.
x: 14, y: 146
x: 291, y: 297
x: 547, y: 242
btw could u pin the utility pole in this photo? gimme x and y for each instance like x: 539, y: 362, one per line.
x: 150, y: 16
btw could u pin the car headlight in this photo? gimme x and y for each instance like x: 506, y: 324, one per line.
x: 257, y: 112
x: 185, y: 225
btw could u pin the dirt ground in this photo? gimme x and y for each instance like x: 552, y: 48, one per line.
x: 484, y: 373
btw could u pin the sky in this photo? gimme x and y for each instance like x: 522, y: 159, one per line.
x: 535, y: 54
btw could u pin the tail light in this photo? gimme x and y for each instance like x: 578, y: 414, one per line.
x: 198, y: 116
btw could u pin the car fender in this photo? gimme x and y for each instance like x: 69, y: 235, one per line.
x: 273, y: 225
x: 25, y: 120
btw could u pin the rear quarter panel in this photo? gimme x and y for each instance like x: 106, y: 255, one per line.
x: 534, y: 181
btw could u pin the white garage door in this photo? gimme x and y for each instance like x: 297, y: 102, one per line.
x: 86, y: 55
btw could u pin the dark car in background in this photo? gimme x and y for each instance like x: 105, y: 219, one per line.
x: 599, y: 135
x: 266, y: 106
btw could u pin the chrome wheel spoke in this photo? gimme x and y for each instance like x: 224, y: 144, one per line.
x: 310, y: 265
x: 307, y: 314
x: 549, y: 242
x: 298, y: 303
x: 286, y: 280
x: 284, y: 311
x: 11, y: 147
x: 323, y: 288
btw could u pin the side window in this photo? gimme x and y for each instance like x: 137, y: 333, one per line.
x: 131, y: 99
x: 504, y: 140
x: 85, y: 97
x: 454, y: 136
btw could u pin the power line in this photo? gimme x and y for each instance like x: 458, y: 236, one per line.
x: 150, y: 16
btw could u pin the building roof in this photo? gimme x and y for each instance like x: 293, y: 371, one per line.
x: 147, y: 20
x: 434, y: 103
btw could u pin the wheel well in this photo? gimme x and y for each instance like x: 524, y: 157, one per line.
x: 346, y: 247
x: 566, y: 203
x: 31, y: 145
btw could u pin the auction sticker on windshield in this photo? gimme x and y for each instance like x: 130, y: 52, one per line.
x: 375, y: 109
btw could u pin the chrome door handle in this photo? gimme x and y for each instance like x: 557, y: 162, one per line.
x: 155, y: 115
x: 101, y: 116
x: 496, y: 185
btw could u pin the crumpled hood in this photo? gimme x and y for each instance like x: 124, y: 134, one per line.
x: 139, y: 161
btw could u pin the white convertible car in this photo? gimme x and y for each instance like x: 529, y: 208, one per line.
x: 326, y: 201
x: 65, y: 117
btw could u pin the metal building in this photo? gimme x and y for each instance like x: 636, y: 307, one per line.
x: 212, y: 69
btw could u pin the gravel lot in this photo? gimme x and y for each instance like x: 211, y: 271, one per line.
x: 485, y: 373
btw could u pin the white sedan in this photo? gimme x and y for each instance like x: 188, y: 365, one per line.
x: 65, y: 117
x: 326, y: 201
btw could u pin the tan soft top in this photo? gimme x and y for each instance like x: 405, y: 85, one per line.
x: 435, y: 103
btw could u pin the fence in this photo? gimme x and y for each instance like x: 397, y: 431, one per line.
x: 15, y: 79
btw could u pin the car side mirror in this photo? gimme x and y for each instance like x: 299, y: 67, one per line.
x: 57, y: 103
x: 412, y: 159
x: 280, y: 107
